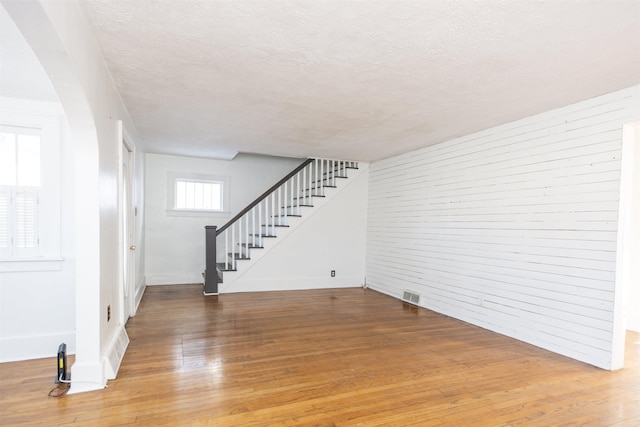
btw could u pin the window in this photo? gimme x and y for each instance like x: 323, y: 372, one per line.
x: 31, y: 134
x: 200, y: 195
x: 19, y: 185
x: 196, y: 194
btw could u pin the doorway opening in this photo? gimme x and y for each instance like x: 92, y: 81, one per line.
x: 627, y: 286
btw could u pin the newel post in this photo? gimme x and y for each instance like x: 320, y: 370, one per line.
x: 210, y: 272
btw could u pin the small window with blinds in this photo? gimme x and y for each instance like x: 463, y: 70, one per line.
x: 19, y: 186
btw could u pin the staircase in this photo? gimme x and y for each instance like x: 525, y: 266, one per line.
x: 247, y: 236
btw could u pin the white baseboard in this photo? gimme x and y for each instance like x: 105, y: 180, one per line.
x: 290, y: 284
x: 139, y: 294
x: 395, y: 295
x: 35, y: 346
x: 87, y: 376
x: 172, y: 279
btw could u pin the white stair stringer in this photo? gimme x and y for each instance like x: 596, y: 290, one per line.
x: 282, y: 233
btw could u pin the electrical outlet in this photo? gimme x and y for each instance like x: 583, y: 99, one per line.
x: 333, y: 273
x: 108, y: 313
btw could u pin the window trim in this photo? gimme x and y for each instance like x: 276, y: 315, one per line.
x: 47, y: 117
x: 172, y: 177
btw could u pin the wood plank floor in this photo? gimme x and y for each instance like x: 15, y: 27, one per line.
x: 322, y: 358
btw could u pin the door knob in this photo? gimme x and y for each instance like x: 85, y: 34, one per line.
x: 132, y: 247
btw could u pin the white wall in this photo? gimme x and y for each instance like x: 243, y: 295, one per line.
x: 175, y: 244
x: 330, y: 236
x: 513, y: 228
x: 63, y: 41
x: 37, y: 298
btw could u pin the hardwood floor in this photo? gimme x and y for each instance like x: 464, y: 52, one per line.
x: 322, y: 358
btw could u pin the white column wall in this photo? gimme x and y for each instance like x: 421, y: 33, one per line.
x: 629, y: 235
x: 63, y: 41
x: 512, y: 229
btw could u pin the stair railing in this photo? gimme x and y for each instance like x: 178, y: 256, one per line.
x: 260, y: 219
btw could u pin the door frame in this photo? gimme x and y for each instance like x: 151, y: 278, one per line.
x: 126, y: 177
x: 628, y: 246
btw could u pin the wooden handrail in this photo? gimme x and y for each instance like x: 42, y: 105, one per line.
x: 263, y: 196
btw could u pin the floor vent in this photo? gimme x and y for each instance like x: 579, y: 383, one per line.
x: 116, y: 354
x: 411, y: 297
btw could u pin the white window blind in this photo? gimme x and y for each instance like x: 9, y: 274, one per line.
x: 19, y: 235
x: 26, y: 222
x: 5, y: 237
x: 30, y: 190
x: 19, y: 186
x: 198, y: 195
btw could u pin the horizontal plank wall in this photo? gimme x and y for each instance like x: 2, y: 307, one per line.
x: 512, y: 229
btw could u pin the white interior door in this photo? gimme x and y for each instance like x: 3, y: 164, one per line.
x: 128, y: 235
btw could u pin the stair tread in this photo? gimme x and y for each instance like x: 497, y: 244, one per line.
x: 263, y: 235
x: 238, y: 256
x: 310, y: 195
x: 223, y: 267
x: 329, y: 179
x: 324, y: 173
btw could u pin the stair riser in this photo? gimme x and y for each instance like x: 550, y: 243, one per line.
x: 306, y: 200
x: 295, y: 210
x: 278, y: 221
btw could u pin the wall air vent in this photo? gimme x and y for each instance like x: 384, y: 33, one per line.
x: 411, y: 297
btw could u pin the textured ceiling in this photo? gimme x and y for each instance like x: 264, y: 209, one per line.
x: 359, y: 80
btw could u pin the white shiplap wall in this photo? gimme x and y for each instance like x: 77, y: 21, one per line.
x: 512, y: 229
